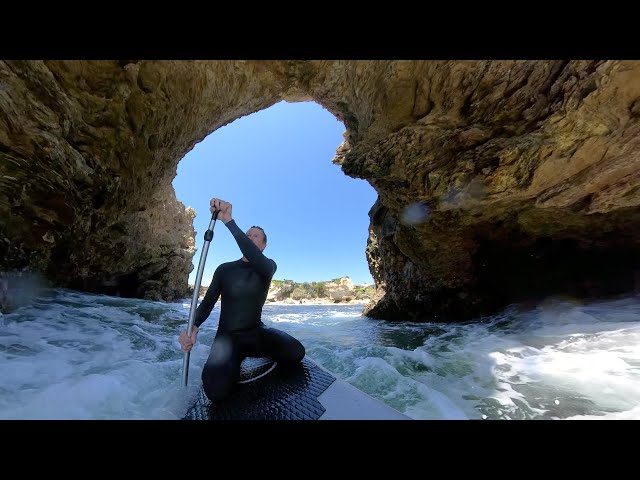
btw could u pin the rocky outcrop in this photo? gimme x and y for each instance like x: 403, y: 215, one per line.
x: 338, y: 290
x: 521, y: 181
x: 497, y: 180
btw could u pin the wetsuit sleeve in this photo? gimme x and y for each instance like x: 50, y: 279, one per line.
x: 261, y: 264
x: 210, y: 298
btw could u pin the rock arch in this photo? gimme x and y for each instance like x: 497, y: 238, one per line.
x: 525, y: 174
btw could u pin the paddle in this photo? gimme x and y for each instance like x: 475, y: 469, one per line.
x: 208, y: 236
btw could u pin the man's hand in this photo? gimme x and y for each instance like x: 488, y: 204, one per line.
x: 187, y: 342
x: 224, y: 207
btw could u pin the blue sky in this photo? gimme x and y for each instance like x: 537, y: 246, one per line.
x: 274, y: 166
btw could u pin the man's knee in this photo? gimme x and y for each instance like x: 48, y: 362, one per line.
x: 216, y: 382
x: 295, y: 352
x: 284, y: 347
x: 214, y: 393
x: 301, y: 352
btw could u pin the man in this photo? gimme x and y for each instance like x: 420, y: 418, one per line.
x: 243, y: 286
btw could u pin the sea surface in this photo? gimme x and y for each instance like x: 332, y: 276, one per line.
x: 73, y: 355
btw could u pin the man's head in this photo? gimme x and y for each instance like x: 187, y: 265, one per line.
x: 258, y: 237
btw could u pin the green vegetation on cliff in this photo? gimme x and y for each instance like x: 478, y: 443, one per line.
x: 336, y: 290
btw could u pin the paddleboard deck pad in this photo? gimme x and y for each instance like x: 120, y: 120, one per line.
x: 268, y: 391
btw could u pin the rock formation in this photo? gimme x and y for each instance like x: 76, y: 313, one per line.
x: 338, y: 290
x: 497, y: 181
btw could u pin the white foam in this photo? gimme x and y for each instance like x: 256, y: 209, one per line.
x: 411, y: 397
x: 73, y: 355
x: 633, y: 414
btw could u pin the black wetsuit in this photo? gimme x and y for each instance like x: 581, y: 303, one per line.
x: 244, y: 287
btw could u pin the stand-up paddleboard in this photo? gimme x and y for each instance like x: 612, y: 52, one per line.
x: 269, y: 391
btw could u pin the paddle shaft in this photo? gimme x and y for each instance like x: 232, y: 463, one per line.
x: 208, y: 236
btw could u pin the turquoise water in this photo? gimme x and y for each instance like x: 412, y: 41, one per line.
x: 71, y: 355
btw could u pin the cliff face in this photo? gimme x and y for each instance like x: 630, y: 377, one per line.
x: 497, y: 180
x: 337, y: 290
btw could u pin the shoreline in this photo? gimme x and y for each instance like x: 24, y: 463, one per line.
x: 311, y: 303
x: 328, y: 302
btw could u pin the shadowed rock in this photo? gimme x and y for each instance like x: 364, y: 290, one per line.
x: 497, y: 180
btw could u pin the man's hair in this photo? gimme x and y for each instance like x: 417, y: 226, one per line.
x: 264, y: 234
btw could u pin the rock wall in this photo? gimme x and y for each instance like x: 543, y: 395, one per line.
x: 498, y: 181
